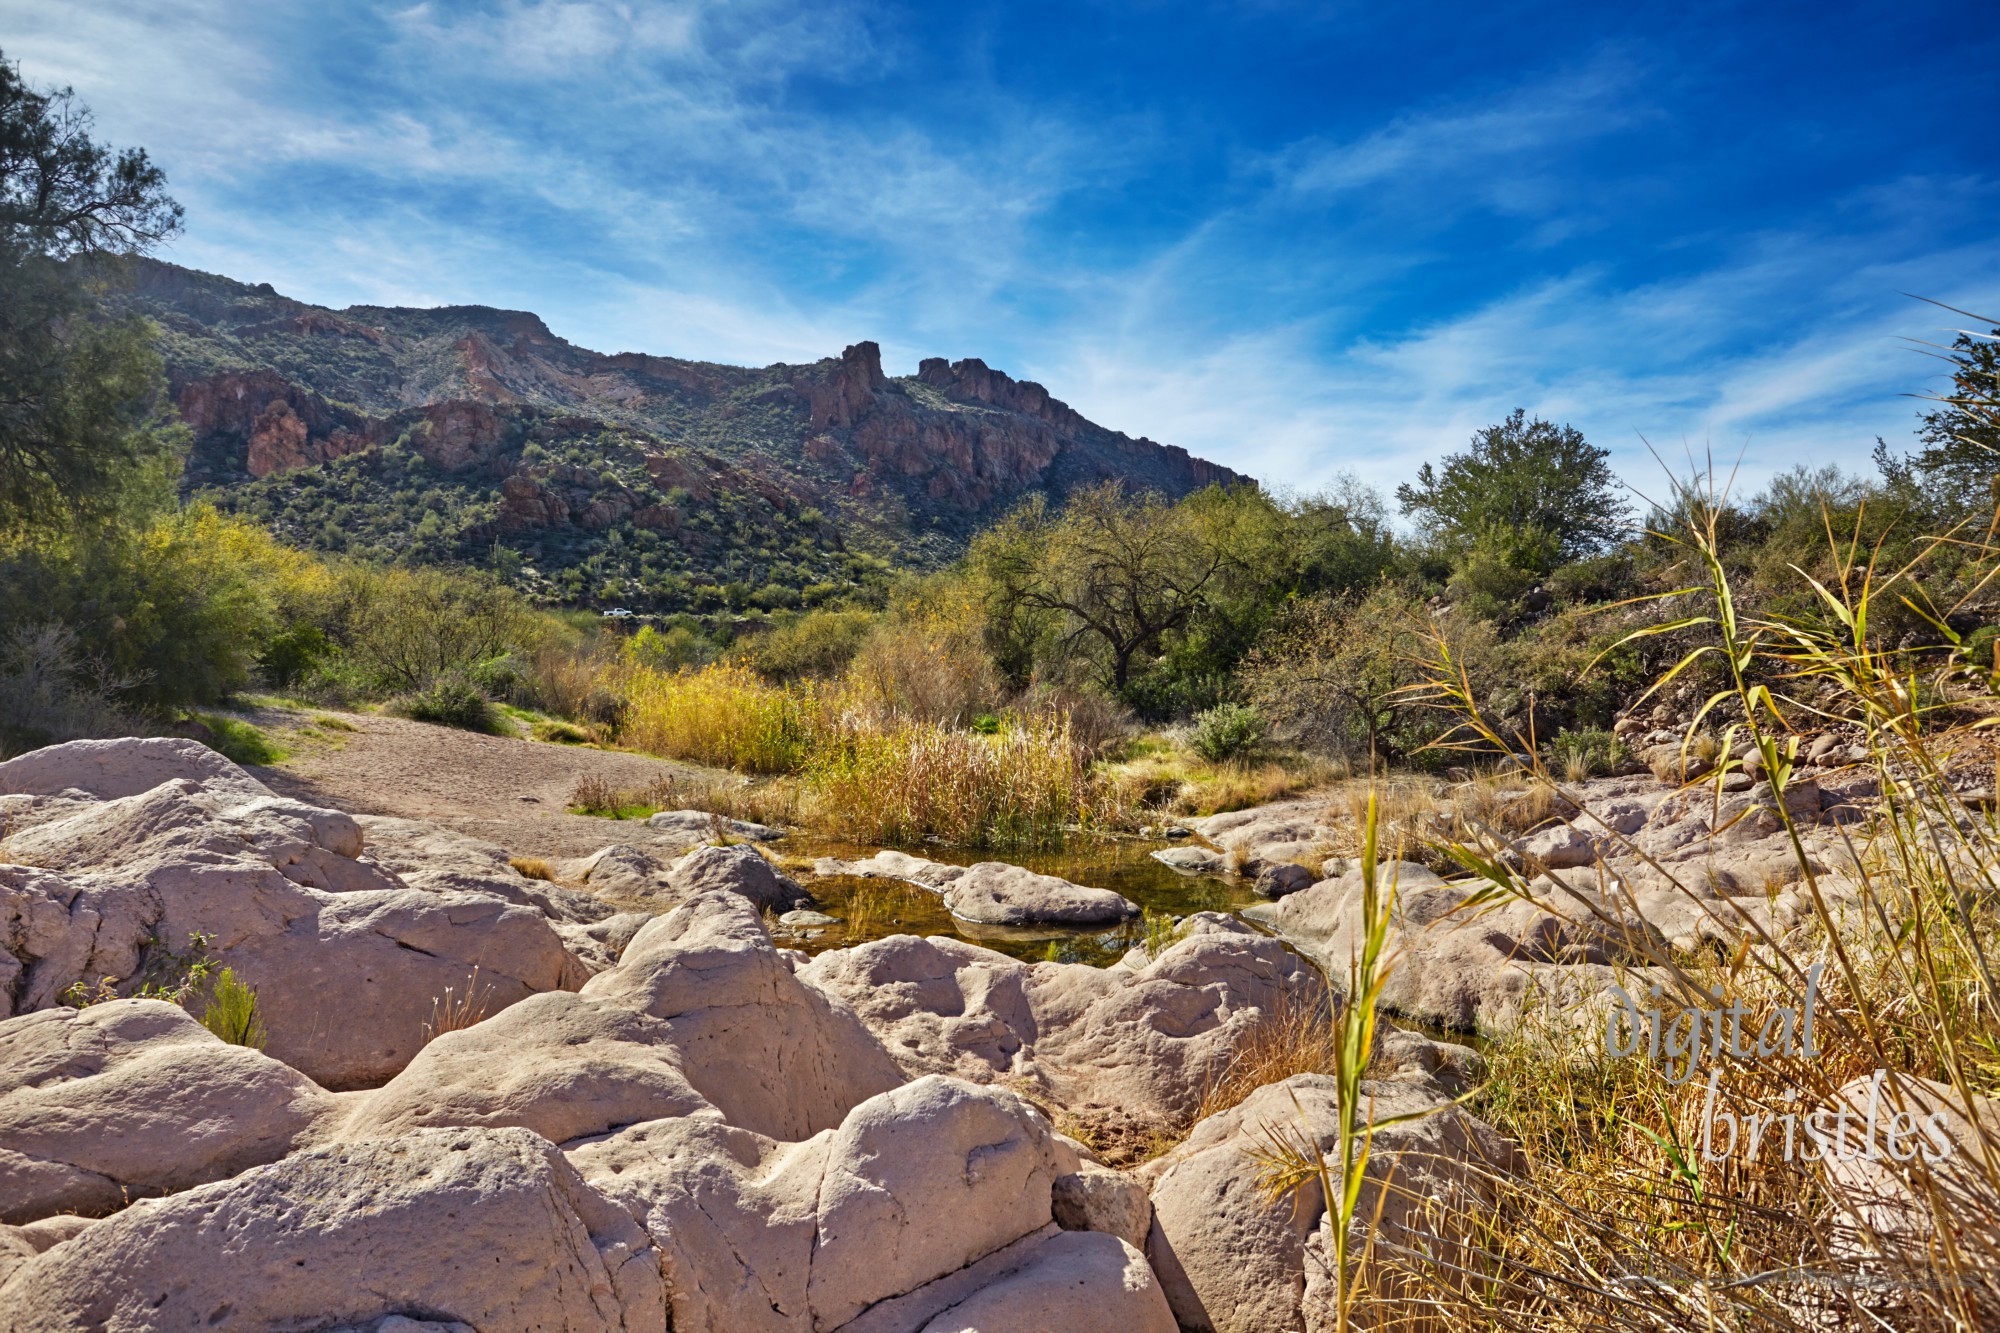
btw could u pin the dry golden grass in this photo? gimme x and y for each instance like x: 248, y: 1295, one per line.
x: 1028, y: 785
x: 534, y: 867
x: 457, y: 1009
x: 1301, y: 1038
x: 1166, y: 781
x: 1628, y: 1220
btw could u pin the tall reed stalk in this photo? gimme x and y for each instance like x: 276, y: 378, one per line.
x: 1630, y: 1219
x: 1291, y: 1157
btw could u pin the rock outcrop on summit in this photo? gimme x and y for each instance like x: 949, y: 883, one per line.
x: 546, y: 439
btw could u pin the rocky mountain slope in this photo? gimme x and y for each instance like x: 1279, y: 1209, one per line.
x: 470, y: 434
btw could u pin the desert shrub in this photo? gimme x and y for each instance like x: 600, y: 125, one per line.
x: 231, y: 1012
x: 1226, y: 731
x: 724, y: 714
x: 50, y: 692
x: 927, y: 670
x: 818, y: 644
x: 906, y: 781
x: 669, y: 649
x: 1589, y: 753
x: 411, y: 626
x: 294, y: 655
x: 451, y: 701
x: 532, y: 867
x: 1337, y: 674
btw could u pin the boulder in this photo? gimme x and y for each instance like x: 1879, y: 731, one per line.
x: 22, y: 1243
x: 924, y: 1196
x: 938, y: 1005
x: 733, y: 1213
x: 1898, y: 1144
x: 627, y: 875
x: 1272, y: 834
x: 994, y: 893
x: 598, y: 945
x: 1234, y: 1261
x: 1079, y: 1282
x: 1147, y: 1040
x: 1560, y: 847
x: 388, y: 957
x: 1096, y: 1198
x: 440, y: 860
x: 920, y: 1182
x: 774, y: 1053
x: 891, y: 864
x: 563, y: 1065
x: 691, y: 828
x: 181, y: 823
x: 489, y: 1228
x: 112, y: 769
x: 1671, y: 761
x: 1279, y: 880
x: 1192, y: 859
x: 739, y: 870
x: 1465, y: 968
x: 132, y: 1098
x: 274, y: 890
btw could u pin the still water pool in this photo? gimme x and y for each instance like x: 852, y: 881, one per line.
x: 873, y: 908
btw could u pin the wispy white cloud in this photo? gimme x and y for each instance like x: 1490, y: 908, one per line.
x: 675, y: 178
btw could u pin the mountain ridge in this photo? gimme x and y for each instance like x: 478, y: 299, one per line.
x: 516, y: 440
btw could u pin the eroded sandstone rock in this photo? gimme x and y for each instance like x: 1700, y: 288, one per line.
x: 771, y: 1052
x: 133, y: 1098
x: 490, y: 1228
x: 1234, y: 1261
x: 1147, y: 1040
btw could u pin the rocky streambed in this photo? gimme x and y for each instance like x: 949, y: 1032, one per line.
x: 614, y: 1094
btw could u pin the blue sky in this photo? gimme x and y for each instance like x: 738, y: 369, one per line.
x: 1298, y: 239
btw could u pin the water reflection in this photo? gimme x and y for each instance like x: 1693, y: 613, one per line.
x: 871, y: 909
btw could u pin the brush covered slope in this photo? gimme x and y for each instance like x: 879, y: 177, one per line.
x: 470, y: 434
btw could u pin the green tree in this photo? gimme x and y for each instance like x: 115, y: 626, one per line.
x: 1537, y: 492
x: 77, y: 386
x: 1105, y: 581
x: 1956, y: 474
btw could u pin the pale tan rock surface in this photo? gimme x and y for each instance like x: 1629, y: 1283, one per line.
x: 427, y: 856
x: 994, y: 893
x: 773, y: 1053
x: 110, y: 769
x: 346, y: 960
x: 132, y: 1098
x: 1076, y: 1281
x: 1147, y: 1040
x: 490, y: 1228
x: 560, y: 1064
x: 920, y: 1198
x: 1232, y: 1261
x: 1096, y: 1198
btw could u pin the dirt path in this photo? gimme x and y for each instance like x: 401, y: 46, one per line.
x: 506, y: 790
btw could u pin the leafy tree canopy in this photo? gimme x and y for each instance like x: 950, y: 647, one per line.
x: 77, y: 387
x: 1546, y: 486
x: 1953, y: 475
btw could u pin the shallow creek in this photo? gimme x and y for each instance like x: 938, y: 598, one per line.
x: 873, y: 908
